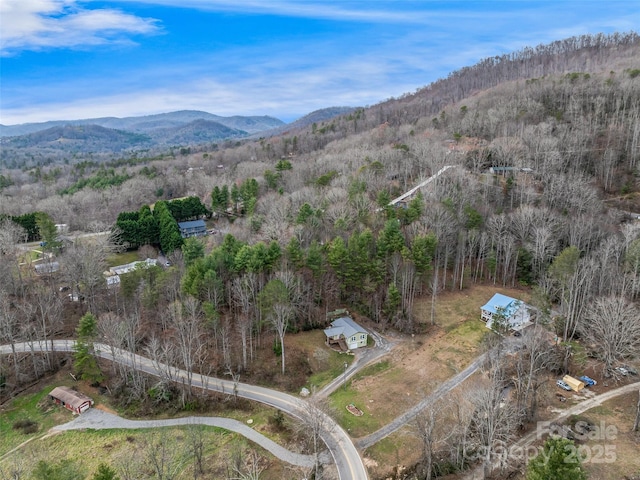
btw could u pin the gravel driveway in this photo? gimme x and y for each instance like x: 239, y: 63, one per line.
x: 100, y: 420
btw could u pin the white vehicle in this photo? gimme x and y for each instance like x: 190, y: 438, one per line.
x: 622, y: 371
x: 563, y: 385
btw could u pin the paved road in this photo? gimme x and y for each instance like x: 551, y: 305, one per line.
x: 348, y: 461
x: 100, y: 420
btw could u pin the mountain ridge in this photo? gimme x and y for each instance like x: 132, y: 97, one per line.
x: 148, y: 123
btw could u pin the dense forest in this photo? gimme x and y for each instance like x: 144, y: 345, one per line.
x: 544, y: 192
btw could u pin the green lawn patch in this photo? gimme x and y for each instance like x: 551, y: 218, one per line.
x: 29, y: 416
x: 373, y: 369
x: 122, y: 258
x: 333, y: 368
x: 372, y: 420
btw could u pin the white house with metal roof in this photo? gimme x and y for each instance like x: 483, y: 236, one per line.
x: 514, y: 311
x: 346, y: 333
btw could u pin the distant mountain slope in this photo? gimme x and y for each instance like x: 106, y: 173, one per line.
x: 149, y: 123
x: 317, y: 116
x: 82, y: 138
x: 108, y: 136
x: 198, y: 131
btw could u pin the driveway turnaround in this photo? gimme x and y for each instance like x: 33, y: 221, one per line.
x: 100, y: 420
x: 348, y: 462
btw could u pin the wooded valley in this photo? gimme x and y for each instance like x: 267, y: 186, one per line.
x: 543, y: 195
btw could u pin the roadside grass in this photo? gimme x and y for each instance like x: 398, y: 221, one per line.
x: 132, y: 449
x: 373, y: 369
x: 401, y: 448
x: 86, y: 449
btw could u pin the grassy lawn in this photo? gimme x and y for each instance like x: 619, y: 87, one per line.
x: 29, y: 256
x: 326, y: 363
x: 376, y: 413
x: 453, y: 308
x: 84, y: 451
x: 33, y: 408
x: 460, y: 344
x: 122, y: 258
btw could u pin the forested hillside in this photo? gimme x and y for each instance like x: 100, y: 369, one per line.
x: 545, y: 148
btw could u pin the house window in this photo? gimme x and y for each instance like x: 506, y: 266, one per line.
x: 353, y: 339
x: 362, y: 337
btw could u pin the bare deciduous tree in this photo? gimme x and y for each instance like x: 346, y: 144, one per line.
x: 494, y: 420
x: 315, y: 424
x: 612, y: 328
x: 428, y: 427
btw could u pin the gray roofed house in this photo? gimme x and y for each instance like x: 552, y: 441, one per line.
x: 194, y: 228
x: 346, y: 333
x: 70, y: 399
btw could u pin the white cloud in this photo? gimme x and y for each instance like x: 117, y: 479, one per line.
x: 39, y: 24
x: 286, y: 95
x: 307, y: 9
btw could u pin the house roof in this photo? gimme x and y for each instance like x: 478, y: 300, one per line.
x: 192, y: 224
x: 49, y: 267
x: 70, y: 396
x: 343, y: 326
x: 505, y: 305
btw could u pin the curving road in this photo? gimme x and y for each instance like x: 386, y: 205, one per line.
x: 345, y: 455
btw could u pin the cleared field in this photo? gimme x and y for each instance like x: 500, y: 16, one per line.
x: 419, y: 363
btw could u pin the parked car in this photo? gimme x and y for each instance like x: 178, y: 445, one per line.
x: 622, y: 371
x: 588, y: 381
x: 563, y: 385
x: 630, y: 369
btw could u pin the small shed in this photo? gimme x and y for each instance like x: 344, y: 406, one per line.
x: 70, y: 399
x: 575, y: 384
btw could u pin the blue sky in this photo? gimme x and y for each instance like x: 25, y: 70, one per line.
x: 72, y: 59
